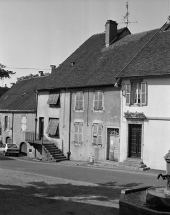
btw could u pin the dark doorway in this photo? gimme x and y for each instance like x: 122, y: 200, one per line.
x: 41, y: 127
x: 135, y: 131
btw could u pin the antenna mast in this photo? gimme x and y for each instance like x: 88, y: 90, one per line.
x: 126, y: 17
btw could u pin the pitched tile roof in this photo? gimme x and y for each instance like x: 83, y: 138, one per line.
x: 96, y: 65
x: 154, y: 57
x: 21, y: 96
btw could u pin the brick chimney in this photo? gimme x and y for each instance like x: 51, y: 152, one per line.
x: 41, y: 73
x: 110, y: 32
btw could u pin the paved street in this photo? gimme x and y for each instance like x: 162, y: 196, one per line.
x: 32, y: 187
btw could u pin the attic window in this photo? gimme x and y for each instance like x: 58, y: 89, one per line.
x: 54, y: 98
x: 72, y: 63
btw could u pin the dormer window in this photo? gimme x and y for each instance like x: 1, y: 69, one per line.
x: 54, y: 99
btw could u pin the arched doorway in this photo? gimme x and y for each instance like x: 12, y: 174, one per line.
x: 8, y: 140
x: 23, y: 148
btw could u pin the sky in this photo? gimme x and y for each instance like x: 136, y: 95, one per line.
x: 35, y: 34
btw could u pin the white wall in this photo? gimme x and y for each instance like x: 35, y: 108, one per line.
x: 156, y: 128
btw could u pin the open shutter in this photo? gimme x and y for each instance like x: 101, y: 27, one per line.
x: 76, y: 132
x: 99, y: 134
x: 3, y: 123
x: 143, y: 94
x: 128, y: 90
x: 8, y: 125
x: 80, y: 132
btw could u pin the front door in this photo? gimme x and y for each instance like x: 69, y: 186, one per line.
x: 41, y: 127
x: 113, y: 144
x: 135, y: 131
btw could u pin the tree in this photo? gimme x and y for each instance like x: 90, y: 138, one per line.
x: 4, y: 73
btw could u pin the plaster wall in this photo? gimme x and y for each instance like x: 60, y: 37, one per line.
x: 109, y: 118
x: 15, y: 132
x: 155, y: 133
x: 62, y: 113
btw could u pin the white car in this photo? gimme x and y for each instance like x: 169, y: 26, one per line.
x: 9, y: 148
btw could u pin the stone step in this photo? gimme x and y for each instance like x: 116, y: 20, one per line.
x: 131, y: 163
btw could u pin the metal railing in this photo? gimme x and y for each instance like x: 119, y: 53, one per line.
x: 32, y: 137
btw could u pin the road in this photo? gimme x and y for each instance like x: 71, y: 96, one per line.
x: 36, y: 188
x: 103, y: 176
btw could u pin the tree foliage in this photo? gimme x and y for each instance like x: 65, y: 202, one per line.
x: 4, y: 73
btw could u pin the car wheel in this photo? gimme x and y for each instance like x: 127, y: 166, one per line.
x: 16, y: 155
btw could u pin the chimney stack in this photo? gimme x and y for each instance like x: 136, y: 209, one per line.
x: 41, y: 73
x: 110, y: 32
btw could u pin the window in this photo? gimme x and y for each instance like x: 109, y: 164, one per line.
x: 79, y: 101
x: 23, y: 123
x: 53, y: 128
x: 54, y: 99
x: 97, y: 134
x: 98, y: 100
x: 136, y: 93
x: 78, y: 132
x: 6, y: 123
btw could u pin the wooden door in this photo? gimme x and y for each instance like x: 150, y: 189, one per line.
x: 113, y: 144
x: 135, y: 132
x: 41, y: 127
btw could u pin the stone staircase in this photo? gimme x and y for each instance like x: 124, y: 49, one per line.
x: 52, y: 153
x: 133, y: 164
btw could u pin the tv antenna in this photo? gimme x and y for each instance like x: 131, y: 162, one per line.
x: 126, y: 17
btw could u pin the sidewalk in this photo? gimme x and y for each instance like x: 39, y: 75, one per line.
x: 101, y: 164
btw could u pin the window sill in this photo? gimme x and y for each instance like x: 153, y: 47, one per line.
x: 98, y: 111
x: 78, y: 111
x: 97, y: 145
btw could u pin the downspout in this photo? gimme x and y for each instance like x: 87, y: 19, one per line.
x: 69, y: 152
x: 12, y: 127
x: 36, y: 93
x: 88, y: 108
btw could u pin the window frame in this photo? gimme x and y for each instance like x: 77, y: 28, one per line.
x: 97, y: 135
x: 78, y: 133
x: 23, y: 123
x: 75, y: 102
x: 57, y: 134
x: 98, y: 101
x: 138, y: 93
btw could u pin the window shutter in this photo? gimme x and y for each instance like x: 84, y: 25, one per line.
x: 128, y: 90
x: 3, y: 123
x: 96, y: 100
x: 81, y: 101
x: 99, y: 134
x: 76, y: 132
x: 80, y: 132
x: 143, y: 93
x: 8, y: 125
x: 95, y: 126
x: 100, y: 100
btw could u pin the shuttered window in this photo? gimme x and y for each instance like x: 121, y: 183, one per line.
x: 136, y: 93
x: 79, y: 101
x: 97, y: 134
x: 78, y: 132
x: 23, y: 123
x: 54, y: 98
x: 98, y: 100
x: 7, y: 123
x: 53, y: 128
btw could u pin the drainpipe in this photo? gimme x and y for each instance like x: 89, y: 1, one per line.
x: 12, y: 127
x: 69, y: 153
x: 36, y: 93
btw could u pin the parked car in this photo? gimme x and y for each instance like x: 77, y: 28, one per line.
x: 9, y: 148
